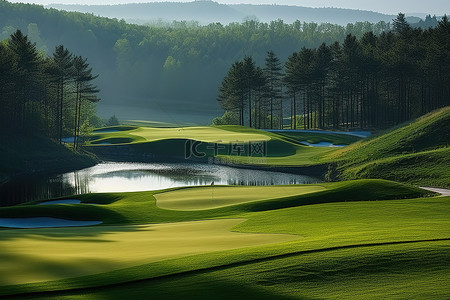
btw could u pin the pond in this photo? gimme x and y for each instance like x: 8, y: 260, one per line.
x: 131, y: 177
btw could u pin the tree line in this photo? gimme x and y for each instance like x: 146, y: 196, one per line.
x: 374, y: 81
x: 139, y: 63
x: 54, y: 95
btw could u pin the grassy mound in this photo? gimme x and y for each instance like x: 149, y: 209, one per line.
x: 114, y: 128
x: 112, y: 141
x: 141, y: 207
x: 415, y: 153
x: 202, y: 134
x: 387, y: 271
x: 38, y: 259
x: 220, y: 196
x: 344, y: 248
x: 229, y: 143
x: 428, y: 132
x: 314, y: 138
x: 427, y: 168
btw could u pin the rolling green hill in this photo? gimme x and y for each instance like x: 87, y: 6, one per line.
x: 215, y: 142
x: 417, y: 152
x: 331, y: 242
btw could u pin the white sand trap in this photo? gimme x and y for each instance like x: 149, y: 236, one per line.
x: 36, y: 255
x: 43, y: 222
x: 65, y: 201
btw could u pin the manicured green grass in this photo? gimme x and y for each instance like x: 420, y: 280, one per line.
x: 220, y: 196
x: 27, y: 257
x: 171, y: 142
x: 300, y: 156
x: 429, y: 132
x: 141, y: 208
x: 416, y: 153
x: 203, y: 134
x: 427, y: 168
x: 366, y: 248
x: 405, y: 271
x: 145, y: 123
x: 117, y: 128
x: 314, y: 138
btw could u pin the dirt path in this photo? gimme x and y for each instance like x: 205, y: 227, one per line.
x: 443, y: 192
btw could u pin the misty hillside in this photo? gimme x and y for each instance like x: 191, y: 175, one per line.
x: 206, y: 12
x: 153, y: 72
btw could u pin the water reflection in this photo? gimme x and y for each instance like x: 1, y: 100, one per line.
x: 128, y: 177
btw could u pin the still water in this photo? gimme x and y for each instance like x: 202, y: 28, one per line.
x: 130, y: 177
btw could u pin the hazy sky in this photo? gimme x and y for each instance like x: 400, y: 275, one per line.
x: 438, y: 7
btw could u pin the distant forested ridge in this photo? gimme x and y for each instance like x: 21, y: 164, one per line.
x: 181, y: 65
x: 205, y: 12
x: 374, y: 81
x: 52, y: 95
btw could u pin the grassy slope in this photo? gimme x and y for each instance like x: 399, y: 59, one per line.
x: 411, y: 271
x: 353, y: 249
x: 38, y: 255
x: 314, y: 138
x: 416, y: 153
x: 22, y: 154
x: 281, y: 150
x: 141, y: 208
x: 221, y: 196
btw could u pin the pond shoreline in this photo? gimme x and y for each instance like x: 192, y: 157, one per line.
x: 33, y: 154
x: 125, y: 153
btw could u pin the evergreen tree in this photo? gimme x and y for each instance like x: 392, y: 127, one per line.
x: 26, y: 77
x: 400, y: 25
x: 273, y: 76
x: 84, y: 89
x: 62, y: 73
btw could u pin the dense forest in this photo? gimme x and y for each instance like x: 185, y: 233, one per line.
x: 174, y: 65
x: 54, y: 95
x: 205, y: 12
x: 180, y: 66
x: 374, y: 81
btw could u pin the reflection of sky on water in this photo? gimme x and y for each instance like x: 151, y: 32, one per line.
x: 125, y: 177
x: 129, y: 177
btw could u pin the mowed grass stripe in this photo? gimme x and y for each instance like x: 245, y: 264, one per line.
x: 221, y: 196
x: 341, y: 225
x: 38, y: 255
x: 385, y: 267
x: 203, y: 134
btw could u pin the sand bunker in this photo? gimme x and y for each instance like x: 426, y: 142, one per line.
x: 43, y: 222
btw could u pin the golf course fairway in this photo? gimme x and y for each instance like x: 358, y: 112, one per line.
x: 220, y: 196
x: 41, y: 255
x: 203, y: 134
x: 296, y: 242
